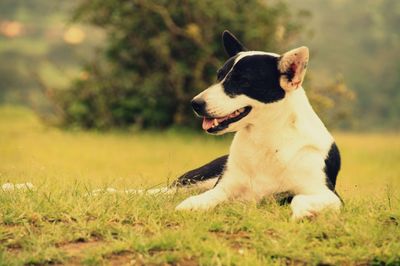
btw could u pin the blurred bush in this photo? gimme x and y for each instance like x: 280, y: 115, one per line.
x: 159, y: 54
x: 333, y: 102
x: 39, y: 49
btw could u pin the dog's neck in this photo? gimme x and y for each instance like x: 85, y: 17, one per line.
x: 278, y: 117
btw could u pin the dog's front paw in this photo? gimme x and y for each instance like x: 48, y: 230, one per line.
x: 308, y: 206
x: 302, y: 208
x: 195, y: 203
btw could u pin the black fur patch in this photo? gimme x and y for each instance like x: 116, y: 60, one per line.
x: 332, y: 166
x: 257, y: 77
x: 221, y: 73
x: 211, y: 170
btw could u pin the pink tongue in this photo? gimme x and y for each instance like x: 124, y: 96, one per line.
x: 207, y: 123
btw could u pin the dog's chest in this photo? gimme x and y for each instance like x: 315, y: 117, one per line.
x: 265, y: 155
x: 264, y: 172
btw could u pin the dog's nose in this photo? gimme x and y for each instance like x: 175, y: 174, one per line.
x: 198, y: 106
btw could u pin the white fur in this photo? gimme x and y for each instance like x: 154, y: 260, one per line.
x: 250, y: 53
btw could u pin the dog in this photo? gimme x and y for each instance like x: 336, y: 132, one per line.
x: 280, y: 144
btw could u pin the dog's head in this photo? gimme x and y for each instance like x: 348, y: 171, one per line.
x: 246, y: 83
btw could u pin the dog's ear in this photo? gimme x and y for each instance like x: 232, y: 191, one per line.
x: 292, y: 66
x: 231, y: 44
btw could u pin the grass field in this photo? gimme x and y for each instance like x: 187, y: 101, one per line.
x: 59, y: 223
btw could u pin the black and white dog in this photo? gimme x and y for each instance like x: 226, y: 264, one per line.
x: 280, y: 144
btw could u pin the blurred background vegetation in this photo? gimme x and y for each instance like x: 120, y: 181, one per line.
x: 122, y: 64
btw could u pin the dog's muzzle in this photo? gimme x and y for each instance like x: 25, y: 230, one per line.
x: 199, y: 106
x: 214, y: 124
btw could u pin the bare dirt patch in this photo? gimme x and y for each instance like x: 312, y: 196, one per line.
x: 75, y: 251
x: 123, y: 258
x: 129, y: 258
x: 14, y: 249
x: 187, y: 262
x: 237, y: 240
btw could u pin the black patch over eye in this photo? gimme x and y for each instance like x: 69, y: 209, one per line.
x: 257, y: 77
x: 221, y: 73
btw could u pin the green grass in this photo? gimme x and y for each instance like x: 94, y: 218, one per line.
x: 60, y: 224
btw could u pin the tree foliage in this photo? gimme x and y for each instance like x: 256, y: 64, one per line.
x: 361, y: 42
x: 332, y: 102
x: 159, y: 54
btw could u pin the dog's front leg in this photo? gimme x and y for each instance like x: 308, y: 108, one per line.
x: 231, y: 184
x: 310, y: 205
x: 204, y: 201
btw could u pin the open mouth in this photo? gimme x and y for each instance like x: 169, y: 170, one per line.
x: 215, y: 124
